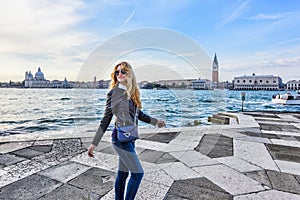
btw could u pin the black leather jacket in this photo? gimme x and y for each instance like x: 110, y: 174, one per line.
x: 124, y: 111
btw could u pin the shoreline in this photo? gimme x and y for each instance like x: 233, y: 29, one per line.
x: 237, y: 120
x: 244, y: 122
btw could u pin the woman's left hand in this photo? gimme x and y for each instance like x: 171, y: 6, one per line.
x: 91, y: 151
x: 161, y: 123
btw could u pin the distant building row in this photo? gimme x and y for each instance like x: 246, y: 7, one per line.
x: 253, y: 82
x: 39, y: 81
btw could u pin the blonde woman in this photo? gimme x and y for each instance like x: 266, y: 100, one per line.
x: 123, y: 102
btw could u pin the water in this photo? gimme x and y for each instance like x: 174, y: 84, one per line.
x: 40, y: 110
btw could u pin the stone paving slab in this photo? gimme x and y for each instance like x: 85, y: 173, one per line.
x: 31, y: 187
x: 150, y: 145
x: 289, y: 117
x: 260, y: 176
x: 188, y: 144
x: 98, y: 181
x: 20, y: 170
x: 277, y: 119
x: 193, y: 135
x: 151, y: 191
x: 288, y: 167
x: 254, y: 139
x: 276, y: 127
x: 13, y: 146
x: 101, y: 160
x: 147, y: 191
x: 296, y: 125
x: 42, y: 148
x: 230, y: 180
x: 215, y: 145
x: 162, y: 137
x: 284, y: 182
x: 153, y: 173
x: 43, y: 142
x: 67, y: 192
x: 255, y: 153
x: 238, y: 164
x: 151, y: 156
x: 276, y: 122
x: 166, y: 158
x: 27, y: 153
x: 282, y: 152
x: 65, y: 171
x: 200, y: 188
x: 270, y: 136
x: 179, y: 171
x: 193, y: 158
x: 262, y: 115
x: 10, y: 159
x: 176, y: 147
x: 286, y: 133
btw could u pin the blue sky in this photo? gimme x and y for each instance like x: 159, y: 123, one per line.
x: 252, y: 36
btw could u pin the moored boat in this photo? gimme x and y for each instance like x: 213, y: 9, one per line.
x: 286, y: 99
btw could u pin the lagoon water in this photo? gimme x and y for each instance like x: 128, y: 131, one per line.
x: 40, y: 110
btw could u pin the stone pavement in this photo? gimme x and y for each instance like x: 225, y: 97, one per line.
x: 257, y: 156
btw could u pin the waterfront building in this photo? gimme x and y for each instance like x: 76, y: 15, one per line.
x: 260, y: 82
x: 201, y: 84
x: 227, y: 85
x: 293, y: 85
x: 179, y: 83
x: 215, y: 72
x: 104, y: 84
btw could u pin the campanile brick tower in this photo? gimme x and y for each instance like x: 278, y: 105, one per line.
x: 215, y: 72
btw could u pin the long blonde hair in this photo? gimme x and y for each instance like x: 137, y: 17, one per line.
x: 132, y: 90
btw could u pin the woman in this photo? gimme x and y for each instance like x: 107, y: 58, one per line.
x: 123, y: 102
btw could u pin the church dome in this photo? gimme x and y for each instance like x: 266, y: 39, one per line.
x: 39, y: 75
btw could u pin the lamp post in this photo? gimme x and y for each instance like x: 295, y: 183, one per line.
x: 243, y: 94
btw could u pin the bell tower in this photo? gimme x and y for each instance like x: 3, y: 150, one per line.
x: 215, y: 71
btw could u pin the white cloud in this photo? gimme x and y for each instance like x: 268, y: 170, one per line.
x: 131, y: 14
x: 236, y: 13
x: 274, y: 16
x: 44, y: 32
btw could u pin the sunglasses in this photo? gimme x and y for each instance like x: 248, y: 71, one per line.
x: 123, y: 71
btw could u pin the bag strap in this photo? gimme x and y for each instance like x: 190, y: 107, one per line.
x: 135, y: 116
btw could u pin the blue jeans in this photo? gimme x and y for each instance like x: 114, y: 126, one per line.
x: 128, y: 162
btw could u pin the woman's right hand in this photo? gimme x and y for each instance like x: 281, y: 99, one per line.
x: 161, y: 123
x: 91, y: 151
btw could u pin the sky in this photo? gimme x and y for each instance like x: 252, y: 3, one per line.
x: 60, y: 36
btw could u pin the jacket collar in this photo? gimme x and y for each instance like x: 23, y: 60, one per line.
x: 122, y: 86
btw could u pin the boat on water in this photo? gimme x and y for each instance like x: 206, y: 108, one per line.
x: 286, y: 99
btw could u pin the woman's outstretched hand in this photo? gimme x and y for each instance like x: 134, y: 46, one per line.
x: 91, y: 151
x: 161, y: 123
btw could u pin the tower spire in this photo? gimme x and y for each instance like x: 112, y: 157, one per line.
x: 216, y: 61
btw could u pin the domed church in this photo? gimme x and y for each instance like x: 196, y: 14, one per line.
x: 38, y: 81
